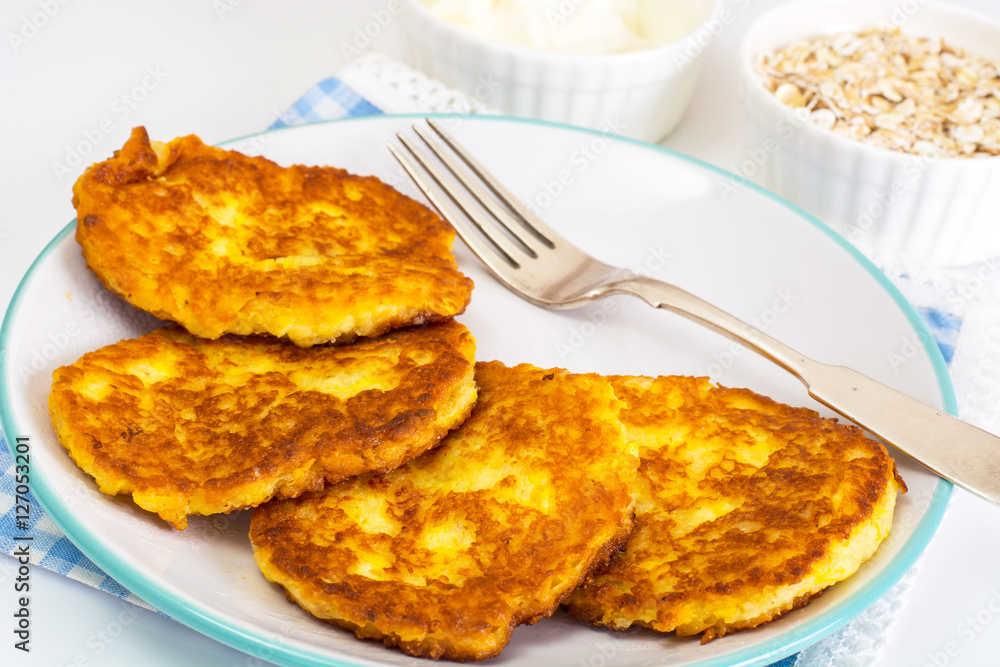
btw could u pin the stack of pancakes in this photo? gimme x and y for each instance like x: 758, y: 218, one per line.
x: 400, y: 489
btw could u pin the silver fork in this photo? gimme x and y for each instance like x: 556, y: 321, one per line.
x: 536, y: 263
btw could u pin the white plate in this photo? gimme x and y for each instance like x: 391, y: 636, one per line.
x: 629, y: 203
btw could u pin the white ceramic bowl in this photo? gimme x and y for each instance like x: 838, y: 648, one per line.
x: 943, y: 211
x: 639, y: 94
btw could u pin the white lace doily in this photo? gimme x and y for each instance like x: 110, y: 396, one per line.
x: 395, y: 88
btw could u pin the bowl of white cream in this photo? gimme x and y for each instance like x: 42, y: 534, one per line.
x: 625, y: 67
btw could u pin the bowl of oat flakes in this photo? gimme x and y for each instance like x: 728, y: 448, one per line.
x: 882, y: 120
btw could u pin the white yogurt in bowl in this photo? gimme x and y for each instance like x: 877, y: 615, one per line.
x: 625, y: 67
x: 573, y: 26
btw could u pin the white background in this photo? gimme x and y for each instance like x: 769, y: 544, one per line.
x: 79, y: 79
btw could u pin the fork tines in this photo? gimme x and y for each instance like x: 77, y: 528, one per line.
x: 500, y: 217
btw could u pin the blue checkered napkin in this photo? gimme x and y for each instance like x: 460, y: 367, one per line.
x: 944, y: 327
x: 786, y: 662
x: 329, y: 99
x: 48, y: 547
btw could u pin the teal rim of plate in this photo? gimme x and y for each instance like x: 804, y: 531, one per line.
x: 220, y: 629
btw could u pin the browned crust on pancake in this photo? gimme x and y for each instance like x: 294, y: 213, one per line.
x: 719, y: 532
x: 193, y: 426
x: 486, y: 532
x: 221, y: 242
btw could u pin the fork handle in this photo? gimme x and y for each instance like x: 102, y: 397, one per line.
x: 955, y: 450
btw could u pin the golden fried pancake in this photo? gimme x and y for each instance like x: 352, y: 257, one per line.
x: 225, y: 243
x: 194, y: 426
x: 446, y: 555
x: 746, y: 509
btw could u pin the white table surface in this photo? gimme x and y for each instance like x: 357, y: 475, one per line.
x: 226, y: 68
